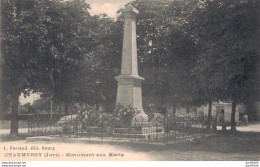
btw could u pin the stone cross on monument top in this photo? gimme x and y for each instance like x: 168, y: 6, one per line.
x: 129, y: 82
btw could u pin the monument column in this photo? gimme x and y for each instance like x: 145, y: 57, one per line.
x: 129, y: 82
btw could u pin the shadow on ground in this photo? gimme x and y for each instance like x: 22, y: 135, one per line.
x: 235, y: 142
x: 5, y: 138
x: 228, y: 142
x: 235, y: 146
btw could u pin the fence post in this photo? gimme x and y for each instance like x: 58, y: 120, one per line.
x: 38, y: 127
x: 102, y: 127
x: 71, y: 124
x: 77, y: 129
x: 135, y: 127
x: 214, y: 126
x: 28, y: 127
x: 45, y: 126
x: 33, y: 129
x: 156, y: 129
x: 192, y: 124
x: 65, y: 125
x: 55, y: 128
x: 166, y: 129
x: 175, y: 128
x: 204, y: 118
x: 141, y: 128
x: 88, y: 127
x: 41, y: 123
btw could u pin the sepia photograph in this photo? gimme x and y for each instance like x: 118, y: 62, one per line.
x: 172, y: 81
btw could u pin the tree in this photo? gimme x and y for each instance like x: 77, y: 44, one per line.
x: 41, y: 104
x: 226, y: 66
x: 1, y: 78
x: 18, y: 66
x: 101, y: 64
x: 43, y: 41
x: 68, y: 41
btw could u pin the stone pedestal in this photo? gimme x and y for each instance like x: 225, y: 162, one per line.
x: 129, y: 90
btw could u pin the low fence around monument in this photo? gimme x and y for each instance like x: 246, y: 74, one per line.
x: 166, y: 129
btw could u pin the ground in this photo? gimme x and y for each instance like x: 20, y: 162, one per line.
x: 241, y: 146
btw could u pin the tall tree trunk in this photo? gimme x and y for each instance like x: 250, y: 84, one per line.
x: 209, y: 115
x: 51, y: 108
x: 66, y: 108
x: 224, y: 127
x: 1, y: 102
x: 233, y: 122
x: 60, y: 109
x: 97, y: 105
x: 187, y: 109
x: 1, y: 76
x: 250, y: 111
x: 14, y: 119
x: 173, y: 108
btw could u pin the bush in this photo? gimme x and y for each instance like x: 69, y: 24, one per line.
x: 122, y: 117
x: 125, y: 114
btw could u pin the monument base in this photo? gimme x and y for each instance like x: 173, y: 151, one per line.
x: 129, y: 91
x: 140, y: 119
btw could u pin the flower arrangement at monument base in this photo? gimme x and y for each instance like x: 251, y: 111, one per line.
x: 125, y: 114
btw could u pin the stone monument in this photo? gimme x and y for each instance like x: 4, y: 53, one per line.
x: 129, y: 90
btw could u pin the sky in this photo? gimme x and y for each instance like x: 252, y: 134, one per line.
x: 110, y: 7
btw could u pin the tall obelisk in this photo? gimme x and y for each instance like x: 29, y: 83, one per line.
x: 129, y: 90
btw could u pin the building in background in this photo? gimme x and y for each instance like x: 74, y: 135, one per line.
x: 222, y: 111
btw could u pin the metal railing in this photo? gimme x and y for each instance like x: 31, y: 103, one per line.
x: 165, y: 129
